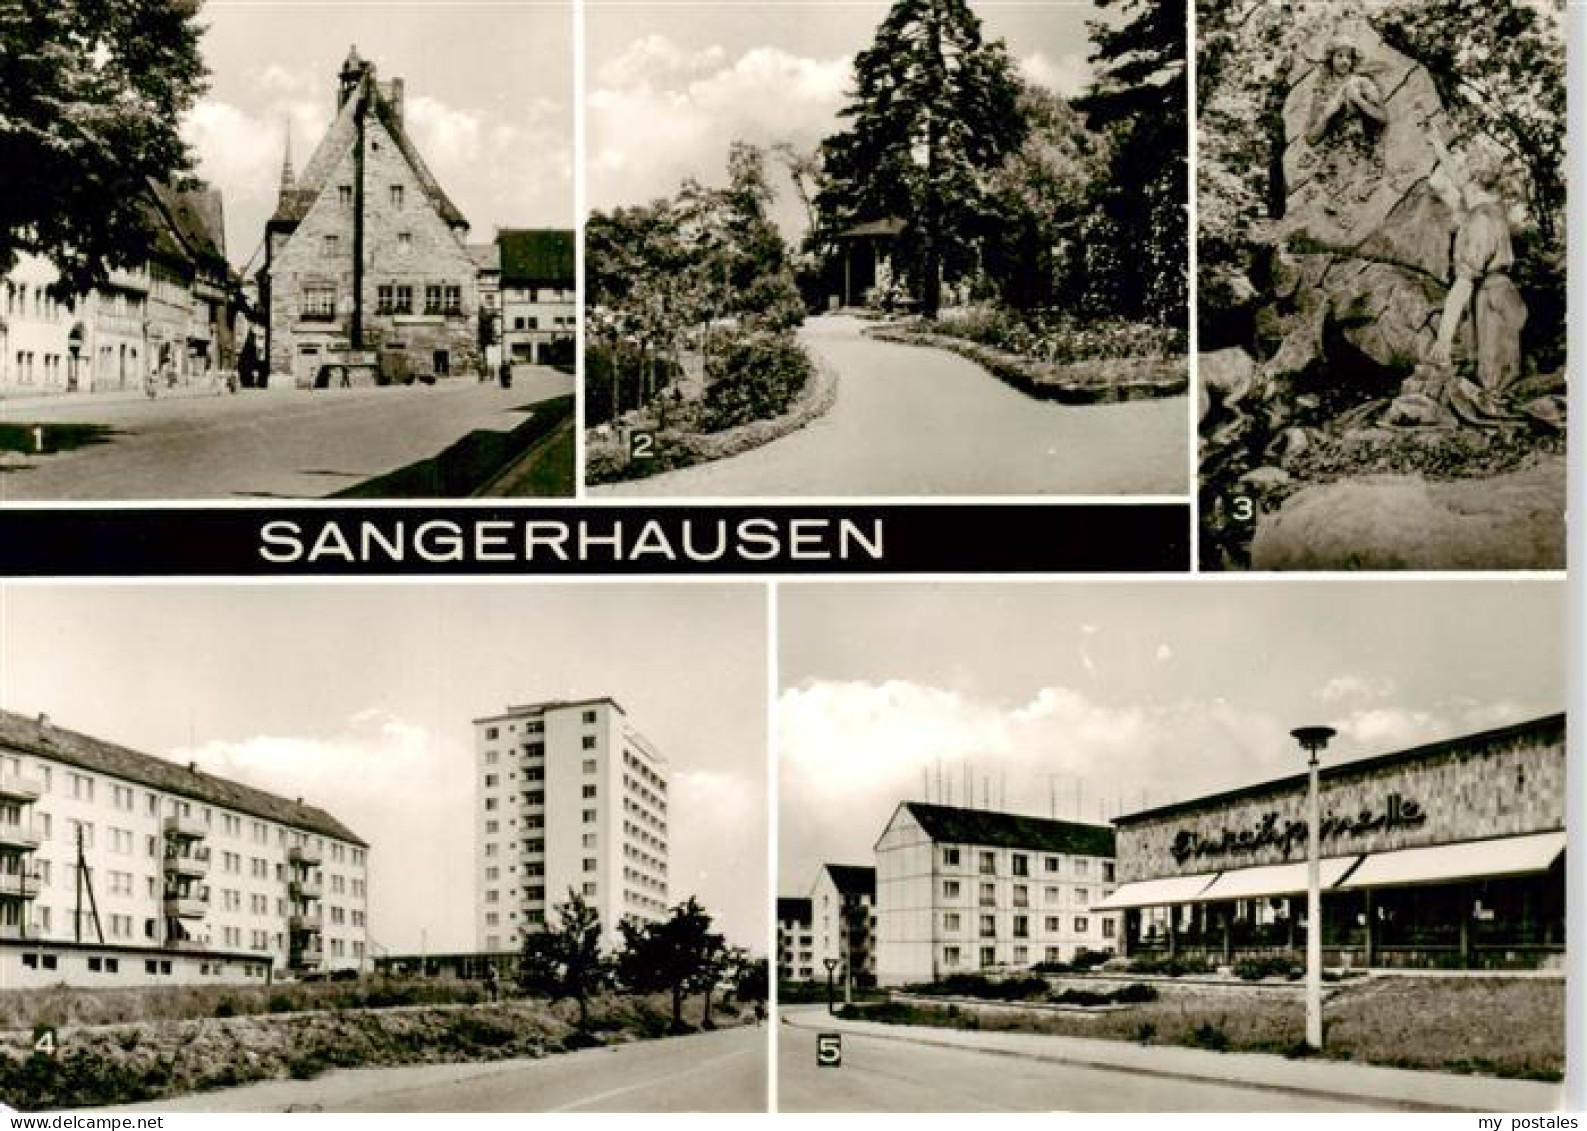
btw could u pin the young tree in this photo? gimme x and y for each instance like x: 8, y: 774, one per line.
x: 565, y: 961
x: 669, y: 956
x: 934, y: 112
x: 91, y: 95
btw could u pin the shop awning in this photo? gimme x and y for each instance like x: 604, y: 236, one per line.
x: 1472, y: 860
x: 1275, y: 879
x: 1156, y: 893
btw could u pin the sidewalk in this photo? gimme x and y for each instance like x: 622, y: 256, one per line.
x: 11, y: 403
x: 1435, y: 1091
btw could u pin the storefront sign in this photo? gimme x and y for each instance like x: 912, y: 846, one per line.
x: 1274, y: 831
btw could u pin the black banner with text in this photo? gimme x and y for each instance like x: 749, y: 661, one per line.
x: 572, y: 540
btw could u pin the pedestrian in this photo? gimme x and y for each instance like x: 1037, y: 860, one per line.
x: 492, y: 983
x: 505, y: 373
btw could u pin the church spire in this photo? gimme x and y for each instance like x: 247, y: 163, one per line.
x: 288, y: 178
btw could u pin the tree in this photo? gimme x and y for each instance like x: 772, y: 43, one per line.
x: 91, y: 95
x: 751, y: 976
x: 934, y: 112
x: 565, y: 961
x: 1042, y: 198
x: 670, y: 956
x: 1140, y: 243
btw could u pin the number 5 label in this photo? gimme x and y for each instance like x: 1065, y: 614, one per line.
x: 829, y: 1050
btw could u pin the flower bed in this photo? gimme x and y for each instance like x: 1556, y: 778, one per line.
x: 606, y: 460
x: 1096, y: 380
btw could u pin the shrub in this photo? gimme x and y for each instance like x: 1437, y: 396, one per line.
x: 755, y: 377
x: 1176, y: 967
x: 1207, y: 1036
x: 1089, y: 959
x: 1272, y: 966
x: 225, y: 1008
x: 1134, y: 994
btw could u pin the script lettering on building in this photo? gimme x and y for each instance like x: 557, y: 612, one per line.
x: 1287, y: 834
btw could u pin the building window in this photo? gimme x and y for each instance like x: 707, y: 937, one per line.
x: 344, y: 195
x: 950, y: 956
x: 396, y: 196
x: 453, y: 299
x: 404, y: 242
x: 950, y: 922
x: 950, y: 857
x: 492, y: 732
x: 1022, y: 926
x: 988, y: 895
x: 1082, y: 867
x: 589, y: 791
x: 402, y: 299
x: 988, y: 956
x: 589, y: 742
x: 589, y: 816
x: 1020, y: 864
x: 329, y: 244
x: 589, y: 716
x: 1082, y: 924
x: 950, y: 889
x: 1021, y: 896
x: 989, y: 926
x: 1051, y: 923
x: 1083, y: 897
x: 1108, y: 927
x: 1051, y: 864
x: 988, y: 863
x: 1051, y: 895
x: 1107, y: 871
x: 589, y: 889
x: 318, y: 304
x: 589, y: 864
x: 383, y: 305
x: 432, y: 298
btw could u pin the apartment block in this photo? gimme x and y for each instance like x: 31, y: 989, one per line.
x: 843, y: 921
x: 121, y: 868
x: 795, y: 943
x: 571, y: 798
x: 962, y: 890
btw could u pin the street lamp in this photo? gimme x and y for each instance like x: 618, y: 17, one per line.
x: 1312, y: 740
x: 831, y: 964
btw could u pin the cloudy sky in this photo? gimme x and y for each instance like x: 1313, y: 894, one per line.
x: 671, y: 85
x: 359, y: 698
x: 1128, y: 694
x: 489, y: 101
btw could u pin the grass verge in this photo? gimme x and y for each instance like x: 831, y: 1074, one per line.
x: 1507, y: 1027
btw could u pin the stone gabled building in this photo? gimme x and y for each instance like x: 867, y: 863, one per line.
x: 367, y: 269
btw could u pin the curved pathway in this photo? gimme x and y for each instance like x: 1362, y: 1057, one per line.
x: 912, y: 420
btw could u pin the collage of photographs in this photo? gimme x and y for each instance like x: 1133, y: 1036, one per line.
x: 787, y: 557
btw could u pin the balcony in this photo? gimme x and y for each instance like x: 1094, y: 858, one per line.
x: 307, y: 956
x: 19, y: 885
x: 306, y: 855
x: 194, y: 905
x: 184, y: 828
x: 306, y: 921
x: 193, y: 862
x: 306, y: 888
x: 18, y: 836
x: 16, y: 787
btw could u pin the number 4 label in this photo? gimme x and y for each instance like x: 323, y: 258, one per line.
x: 44, y: 1041
x: 829, y: 1050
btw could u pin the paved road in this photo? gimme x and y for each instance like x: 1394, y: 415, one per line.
x: 720, y: 1071
x: 287, y: 443
x: 880, y: 1074
x: 916, y: 421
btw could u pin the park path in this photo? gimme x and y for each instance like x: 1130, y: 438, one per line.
x: 911, y: 420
